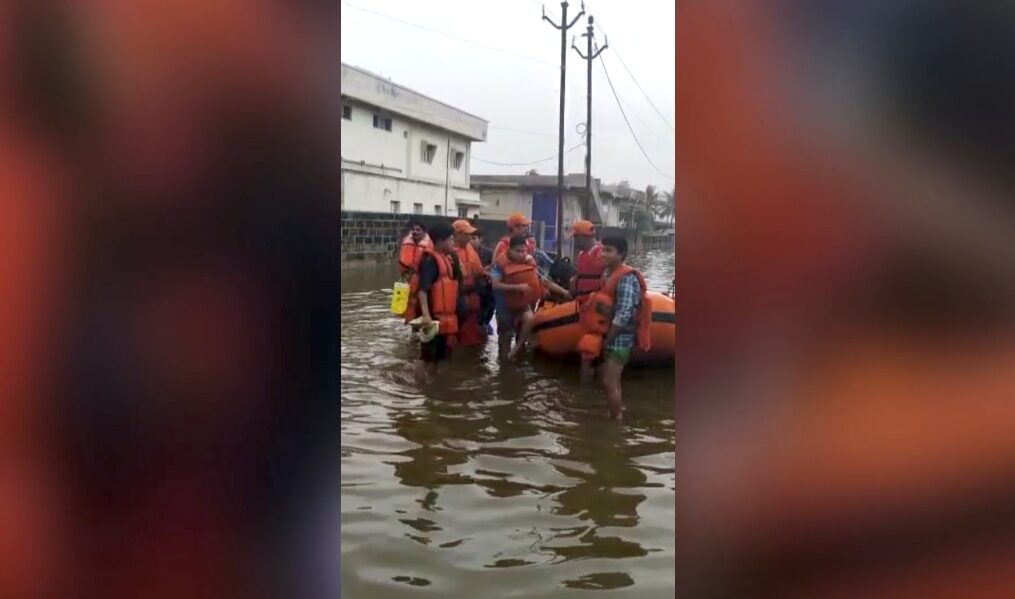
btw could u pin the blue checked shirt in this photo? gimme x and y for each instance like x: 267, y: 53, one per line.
x: 626, y: 304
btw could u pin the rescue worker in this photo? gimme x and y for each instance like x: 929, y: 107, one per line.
x: 517, y: 224
x: 434, y: 298
x: 588, y: 262
x: 412, y: 247
x: 516, y: 277
x: 471, y: 333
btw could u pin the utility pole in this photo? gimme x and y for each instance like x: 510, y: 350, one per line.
x: 589, y: 57
x: 563, y: 27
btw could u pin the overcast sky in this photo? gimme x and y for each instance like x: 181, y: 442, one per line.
x: 518, y: 95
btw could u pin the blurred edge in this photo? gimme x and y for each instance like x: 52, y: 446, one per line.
x: 169, y: 268
x: 845, y: 255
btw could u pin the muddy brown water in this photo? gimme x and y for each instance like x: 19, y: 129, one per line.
x: 499, y: 480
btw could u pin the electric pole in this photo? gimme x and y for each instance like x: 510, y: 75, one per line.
x: 589, y: 57
x: 563, y: 27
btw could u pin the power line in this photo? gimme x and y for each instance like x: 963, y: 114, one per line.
x: 652, y: 131
x: 547, y: 159
x: 449, y: 35
x: 629, y: 128
x: 643, y: 91
x: 633, y: 78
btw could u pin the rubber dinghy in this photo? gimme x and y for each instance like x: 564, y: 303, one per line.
x: 557, y: 329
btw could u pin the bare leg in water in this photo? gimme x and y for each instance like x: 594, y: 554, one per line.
x: 424, y: 371
x: 505, y: 333
x: 611, y: 373
x: 523, y: 336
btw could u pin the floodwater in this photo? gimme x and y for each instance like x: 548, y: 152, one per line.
x: 500, y: 480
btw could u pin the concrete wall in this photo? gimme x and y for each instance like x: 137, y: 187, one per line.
x: 502, y: 203
x: 611, y: 216
x: 380, y: 166
x: 381, y: 191
x: 436, y: 170
x: 572, y: 212
x: 375, y: 147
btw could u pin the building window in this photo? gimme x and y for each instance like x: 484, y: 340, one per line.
x: 396, y: 207
x: 429, y: 151
x: 382, y: 122
x: 463, y: 212
x: 437, y: 209
x: 456, y: 160
x: 347, y: 113
x: 417, y: 208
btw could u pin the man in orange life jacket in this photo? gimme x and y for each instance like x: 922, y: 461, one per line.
x: 434, y: 297
x: 518, y: 225
x: 588, y: 263
x: 411, y: 249
x: 474, y: 280
x: 625, y: 288
x: 518, y: 284
x: 516, y: 277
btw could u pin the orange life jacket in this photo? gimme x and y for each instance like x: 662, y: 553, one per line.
x: 443, y: 301
x: 505, y: 243
x: 590, y: 270
x: 526, y: 273
x: 472, y: 270
x: 411, y: 252
x: 597, y: 311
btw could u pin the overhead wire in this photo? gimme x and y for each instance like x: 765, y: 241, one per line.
x: 547, y: 159
x: 629, y: 128
x: 635, y: 80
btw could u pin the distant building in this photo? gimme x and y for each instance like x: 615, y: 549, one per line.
x: 404, y: 152
x: 535, y: 196
x: 617, y: 201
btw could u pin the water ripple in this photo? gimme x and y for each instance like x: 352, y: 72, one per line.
x: 499, y: 469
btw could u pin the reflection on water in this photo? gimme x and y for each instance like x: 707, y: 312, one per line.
x: 501, y: 479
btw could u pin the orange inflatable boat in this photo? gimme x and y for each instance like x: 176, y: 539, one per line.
x: 557, y: 330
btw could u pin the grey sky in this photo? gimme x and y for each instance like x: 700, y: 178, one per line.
x: 517, y: 94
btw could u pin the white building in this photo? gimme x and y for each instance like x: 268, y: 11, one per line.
x: 404, y: 152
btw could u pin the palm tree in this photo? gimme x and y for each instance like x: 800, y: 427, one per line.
x: 670, y: 206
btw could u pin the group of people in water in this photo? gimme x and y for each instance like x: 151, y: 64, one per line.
x: 458, y: 283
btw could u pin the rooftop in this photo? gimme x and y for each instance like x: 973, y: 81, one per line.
x: 571, y: 181
x: 370, y: 88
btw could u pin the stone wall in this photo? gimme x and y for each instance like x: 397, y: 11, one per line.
x: 371, y: 238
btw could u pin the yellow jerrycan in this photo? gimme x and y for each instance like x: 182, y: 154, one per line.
x: 400, y: 298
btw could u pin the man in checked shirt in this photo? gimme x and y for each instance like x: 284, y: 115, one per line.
x: 627, y: 299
